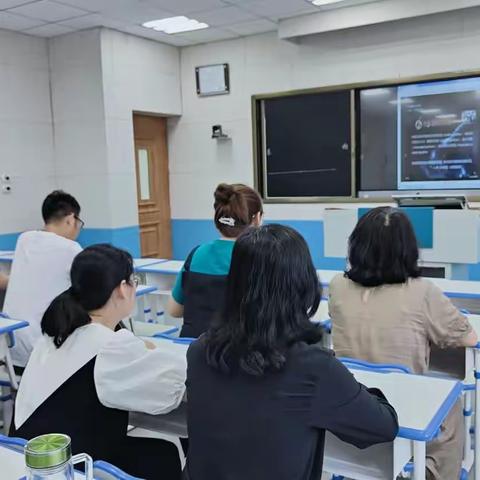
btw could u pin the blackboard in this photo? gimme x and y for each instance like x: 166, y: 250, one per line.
x: 307, y: 146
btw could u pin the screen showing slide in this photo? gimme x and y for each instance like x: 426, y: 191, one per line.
x: 421, y: 136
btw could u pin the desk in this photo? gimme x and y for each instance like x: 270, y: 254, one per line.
x: 139, y: 263
x: 420, y: 417
x: 12, y: 464
x: 142, y: 292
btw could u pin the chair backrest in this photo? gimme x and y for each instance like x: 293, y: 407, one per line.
x: 17, y: 444
x: 181, y: 340
x: 374, y: 367
x: 106, y: 471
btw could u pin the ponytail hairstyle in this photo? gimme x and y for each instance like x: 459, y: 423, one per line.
x: 235, y: 206
x: 95, y: 274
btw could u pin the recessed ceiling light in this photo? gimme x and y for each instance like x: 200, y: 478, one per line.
x: 175, y: 25
x: 320, y: 3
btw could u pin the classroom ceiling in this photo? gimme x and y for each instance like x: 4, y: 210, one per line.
x: 227, y: 18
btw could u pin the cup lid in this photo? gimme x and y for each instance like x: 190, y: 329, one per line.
x: 48, y: 451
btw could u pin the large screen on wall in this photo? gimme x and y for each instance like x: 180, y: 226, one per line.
x: 423, y: 136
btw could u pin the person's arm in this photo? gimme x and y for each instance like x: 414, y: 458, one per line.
x: 175, y: 302
x: 446, y: 326
x: 130, y: 376
x: 353, y: 413
x: 3, y: 281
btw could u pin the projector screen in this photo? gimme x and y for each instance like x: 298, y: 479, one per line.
x: 421, y: 136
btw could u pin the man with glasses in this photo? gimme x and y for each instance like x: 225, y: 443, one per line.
x: 41, y: 269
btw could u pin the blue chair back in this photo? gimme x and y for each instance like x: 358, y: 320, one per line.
x: 374, y: 367
x: 106, y: 471
x: 17, y: 444
x: 181, y: 340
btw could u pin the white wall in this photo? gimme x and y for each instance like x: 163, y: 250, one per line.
x: 99, y: 77
x: 26, y: 139
x: 264, y: 64
x: 138, y: 75
x: 79, y: 123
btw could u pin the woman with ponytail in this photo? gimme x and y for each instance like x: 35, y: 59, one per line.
x: 84, y: 374
x: 199, y: 289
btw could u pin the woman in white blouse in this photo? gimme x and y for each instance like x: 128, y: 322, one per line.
x: 83, y: 376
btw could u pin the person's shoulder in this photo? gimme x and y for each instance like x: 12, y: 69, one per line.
x: 422, y: 286
x: 197, y: 347
x: 339, y: 281
x: 311, y: 356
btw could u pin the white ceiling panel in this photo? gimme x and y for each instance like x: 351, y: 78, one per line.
x: 224, y: 16
x: 48, y: 11
x: 208, y: 35
x: 48, y: 30
x: 227, y: 18
x: 277, y: 9
x: 158, y: 36
x: 12, y: 3
x: 184, y: 7
x: 92, y: 20
x: 16, y: 22
x: 251, y: 28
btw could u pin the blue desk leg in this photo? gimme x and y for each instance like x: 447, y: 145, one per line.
x: 477, y: 414
x: 419, y: 458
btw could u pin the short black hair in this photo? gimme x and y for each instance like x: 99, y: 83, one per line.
x: 272, y: 292
x: 58, y: 205
x: 383, y: 249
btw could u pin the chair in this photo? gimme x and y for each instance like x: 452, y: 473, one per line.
x: 105, y: 471
x: 169, y: 336
x: 374, y: 367
x: 17, y: 444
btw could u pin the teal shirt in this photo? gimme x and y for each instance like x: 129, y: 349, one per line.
x: 212, y: 258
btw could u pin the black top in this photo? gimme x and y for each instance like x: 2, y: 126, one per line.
x: 75, y: 409
x: 273, y: 427
x: 204, y: 294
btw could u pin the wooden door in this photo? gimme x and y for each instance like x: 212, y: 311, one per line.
x: 151, y: 164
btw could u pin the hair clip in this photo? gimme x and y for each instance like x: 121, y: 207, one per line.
x: 227, y: 221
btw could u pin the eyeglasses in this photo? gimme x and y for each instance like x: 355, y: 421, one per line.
x: 82, y: 223
x: 135, y: 281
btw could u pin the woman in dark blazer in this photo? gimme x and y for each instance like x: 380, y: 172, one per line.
x: 261, y: 390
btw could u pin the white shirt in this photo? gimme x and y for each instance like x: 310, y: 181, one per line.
x: 127, y: 375
x: 40, y: 272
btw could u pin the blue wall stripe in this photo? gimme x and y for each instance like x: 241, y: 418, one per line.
x: 187, y: 234
x: 125, y: 237
x: 8, y: 241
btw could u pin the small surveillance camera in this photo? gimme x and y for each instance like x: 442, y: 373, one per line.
x: 217, y: 132
x: 6, y: 177
x: 6, y: 189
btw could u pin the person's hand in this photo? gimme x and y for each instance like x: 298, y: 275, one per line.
x: 150, y: 345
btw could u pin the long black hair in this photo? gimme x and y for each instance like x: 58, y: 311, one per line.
x: 272, y: 292
x: 383, y: 249
x: 95, y: 273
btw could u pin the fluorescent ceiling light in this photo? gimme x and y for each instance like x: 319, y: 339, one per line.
x: 175, y: 25
x: 320, y: 3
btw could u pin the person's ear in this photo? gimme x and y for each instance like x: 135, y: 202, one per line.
x: 123, y: 290
x: 70, y: 220
x: 257, y: 219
